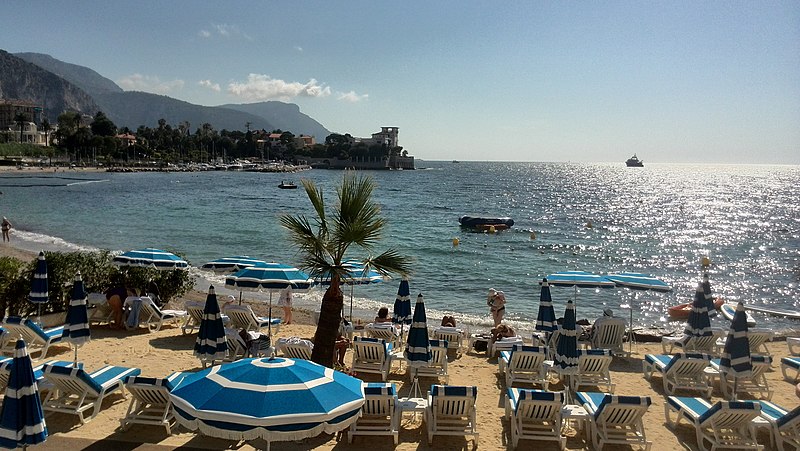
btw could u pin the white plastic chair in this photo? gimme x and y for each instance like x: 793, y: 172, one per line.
x: 453, y: 336
x: 151, y: 316
x: 755, y: 383
x: 616, y: 420
x: 534, y: 415
x: 385, y: 331
x: 705, y: 344
x: 593, y: 370
x: 37, y: 339
x: 783, y: 425
x: 150, y: 403
x: 237, y: 348
x: 524, y: 364
x: 725, y: 424
x: 296, y: 350
x: 372, y: 355
x: 379, y: 414
x: 194, y: 316
x: 685, y: 371
x: 451, y: 411
x: 243, y: 317
x: 610, y: 334
x: 794, y: 345
x: 789, y: 365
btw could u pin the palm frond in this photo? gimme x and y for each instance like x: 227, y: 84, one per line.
x: 318, y: 202
x: 391, y: 262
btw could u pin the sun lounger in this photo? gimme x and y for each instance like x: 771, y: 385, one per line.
x: 524, y: 364
x: 616, y: 419
x: 789, y: 365
x: 534, y: 415
x: 149, y: 314
x: 38, y: 339
x: 610, y: 334
x: 76, y: 391
x: 503, y: 344
x: 194, y: 316
x: 295, y: 348
x: 385, y: 331
x: 593, y: 370
x: 379, y: 415
x: 757, y: 339
x: 451, y: 411
x: 437, y: 365
x: 725, y: 424
x: 755, y: 383
x: 372, y: 355
x: 794, y: 345
x: 150, y: 403
x: 706, y: 344
x: 38, y: 374
x: 243, y: 317
x: 100, y: 312
x: 453, y: 336
x: 237, y: 348
x: 783, y: 425
x: 685, y: 371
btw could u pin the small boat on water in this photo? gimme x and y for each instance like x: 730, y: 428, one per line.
x: 484, y: 223
x: 287, y: 185
x: 681, y: 311
x: 634, y: 162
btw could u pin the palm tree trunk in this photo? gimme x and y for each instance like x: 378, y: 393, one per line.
x: 328, y: 327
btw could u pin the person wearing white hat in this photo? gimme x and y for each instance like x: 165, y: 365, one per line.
x: 497, y: 305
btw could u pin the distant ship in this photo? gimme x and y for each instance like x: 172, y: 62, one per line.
x: 634, y: 162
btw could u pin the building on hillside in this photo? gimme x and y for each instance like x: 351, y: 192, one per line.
x: 9, y: 109
x: 393, y: 160
x: 127, y: 139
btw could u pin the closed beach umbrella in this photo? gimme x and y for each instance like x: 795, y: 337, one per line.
x: 210, y: 344
x: 231, y: 264
x: 418, y: 348
x: 566, y: 358
x: 402, y: 305
x: 151, y: 258
x: 735, y: 361
x: 275, y: 399
x: 698, y: 324
x: 22, y: 420
x: 39, y: 290
x: 712, y: 310
x: 76, y: 327
x: 546, y: 319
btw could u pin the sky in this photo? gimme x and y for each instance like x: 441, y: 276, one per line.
x: 673, y: 82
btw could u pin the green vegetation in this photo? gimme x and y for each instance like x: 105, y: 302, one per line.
x: 96, y: 270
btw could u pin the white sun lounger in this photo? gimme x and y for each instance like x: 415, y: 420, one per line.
x: 616, y: 419
x: 534, y: 415
x: 379, y: 414
x: 726, y: 424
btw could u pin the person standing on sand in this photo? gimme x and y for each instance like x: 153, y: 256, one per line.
x: 285, y: 301
x: 6, y: 227
x: 497, y: 305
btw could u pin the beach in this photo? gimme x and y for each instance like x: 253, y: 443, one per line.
x: 161, y: 353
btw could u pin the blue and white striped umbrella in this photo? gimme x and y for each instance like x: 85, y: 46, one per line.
x: 639, y: 281
x: 275, y: 399
x: 735, y: 361
x: 712, y: 311
x: 76, y: 327
x: 567, y: 347
x: 231, y: 264
x: 698, y: 324
x: 579, y: 279
x: 418, y: 347
x: 210, y: 344
x: 357, y: 274
x: 269, y: 277
x: 402, y: 304
x: 22, y: 420
x: 39, y: 291
x: 151, y: 258
x: 546, y: 319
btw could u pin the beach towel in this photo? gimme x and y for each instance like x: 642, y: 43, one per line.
x: 133, y: 315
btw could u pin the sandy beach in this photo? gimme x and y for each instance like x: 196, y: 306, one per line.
x: 161, y: 353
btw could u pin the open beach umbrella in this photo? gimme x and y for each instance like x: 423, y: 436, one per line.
x: 231, y: 264
x: 151, y: 258
x: 22, y: 420
x: 637, y: 281
x: 546, y: 319
x: 698, y: 324
x: 275, y: 399
x: 39, y: 290
x: 357, y: 274
x: 578, y: 279
x: 566, y: 358
x: 735, y: 361
x: 712, y: 311
x: 210, y: 344
x: 76, y: 327
x: 269, y: 277
x: 402, y: 306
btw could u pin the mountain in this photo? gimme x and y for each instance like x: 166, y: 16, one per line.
x: 284, y: 116
x: 82, y: 77
x: 21, y: 80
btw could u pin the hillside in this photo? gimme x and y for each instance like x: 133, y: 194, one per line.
x: 82, y: 77
x: 284, y: 116
x: 21, y: 80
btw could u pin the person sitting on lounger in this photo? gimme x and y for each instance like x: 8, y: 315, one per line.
x: 502, y: 331
x: 383, y: 315
x: 115, y: 297
x: 448, y: 321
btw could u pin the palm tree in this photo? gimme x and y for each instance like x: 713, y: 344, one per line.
x: 21, y: 119
x: 354, y: 220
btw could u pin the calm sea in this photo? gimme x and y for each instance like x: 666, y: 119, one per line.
x: 660, y: 220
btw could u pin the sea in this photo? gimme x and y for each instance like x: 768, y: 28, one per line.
x: 602, y: 218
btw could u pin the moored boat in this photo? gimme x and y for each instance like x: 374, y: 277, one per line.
x: 634, y: 162
x: 485, y: 223
x: 287, y: 185
x: 681, y: 311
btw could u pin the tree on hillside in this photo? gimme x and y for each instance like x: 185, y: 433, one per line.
x: 102, y: 125
x: 47, y: 128
x: 355, y: 220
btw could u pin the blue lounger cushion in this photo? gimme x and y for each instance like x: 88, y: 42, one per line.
x: 793, y: 362
x: 380, y: 388
x: 53, y: 334
x: 700, y: 410
x: 387, y: 346
x: 453, y: 390
x: 778, y: 414
x: 98, y: 380
x: 664, y: 362
x: 596, y: 401
x: 515, y: 395
x: 438, y: 343
x: 594, y: 352
x: 506, y: 355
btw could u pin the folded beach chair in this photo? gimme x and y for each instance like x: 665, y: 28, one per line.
x: 194, y: 316
x: 385, y: 331
x: 296, y: 349
x: 437, y: 365
x: 755, y: 383
x: 616, y: 419
x: 379, y: 414
x: 237, y: 348
x: 38, y: 374
x: 685, y: 371
x: 150, y: 403
x: 593, y: 370
x: 451, y: 411
x: 243, y: 317
x: 154, y: 318
x: 534, y: 415
x: 610, y: 334
x: 372, y: 355
x: 794, y: 345
x: 783, y: 425
x: 524, y: 364
x: 726, y: 424
x: 37, y: 339
x: 453, y: 336
x: 76, y: 391
x: 686, y: 343
x: 789, y: 365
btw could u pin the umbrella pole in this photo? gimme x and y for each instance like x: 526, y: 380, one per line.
x: 240, y: 297
x: 75, y: 361
x: 351, y: 303
x: 269, y: 326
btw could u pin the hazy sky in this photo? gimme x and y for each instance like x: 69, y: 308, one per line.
x: 516, y: 81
